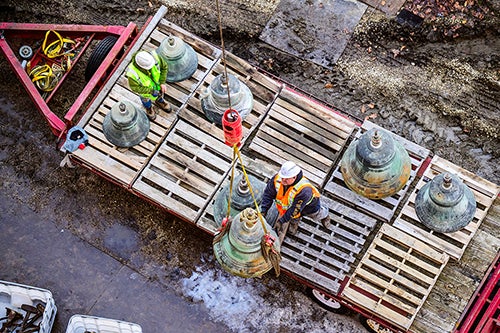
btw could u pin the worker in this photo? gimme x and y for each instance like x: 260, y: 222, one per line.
x: 294, y: 197
x: 147, y: 75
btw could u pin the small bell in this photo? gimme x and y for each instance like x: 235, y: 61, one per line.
x: 215, y: 102
x: 124, y: 125
x: 241, y: 197
x: 445, y: 204
x: 376, y: 166
x: 181, y: 58
x: 239, y: 250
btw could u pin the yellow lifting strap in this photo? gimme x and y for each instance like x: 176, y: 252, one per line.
x: 56, y: 48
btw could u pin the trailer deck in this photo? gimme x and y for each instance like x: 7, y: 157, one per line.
x: 376, y: 257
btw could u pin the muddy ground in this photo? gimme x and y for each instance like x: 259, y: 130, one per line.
x: 436, y: 84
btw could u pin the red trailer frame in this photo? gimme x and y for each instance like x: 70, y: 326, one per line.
x: 482, y: 314
x: 85, y: 34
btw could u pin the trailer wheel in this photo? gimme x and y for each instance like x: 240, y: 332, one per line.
x: 372, y: 326
x: 98, y: 55
x: 326, y: 302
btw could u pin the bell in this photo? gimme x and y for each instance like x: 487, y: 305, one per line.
x: 241, y: 197
x: 215, y: 101
x: 124, y: 125
x: 376, y: 166
x: 239, y: 251
x: 445, y: 204
x: 181, y: 58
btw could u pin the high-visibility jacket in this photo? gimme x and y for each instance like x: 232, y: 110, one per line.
x: 284, y: 199
x: 146, y: 83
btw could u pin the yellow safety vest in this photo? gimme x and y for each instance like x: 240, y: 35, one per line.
x: 285, y: 199
x: 145, y: 80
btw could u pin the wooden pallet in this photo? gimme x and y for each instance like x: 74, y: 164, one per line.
x: 264, y: 91
x: 186, y: 170
x: 302, y: 130
x: 453, y: 243
x: 386, y: 207
x: 120, y: 164
x: 324, y: 257
x: 395, y: 276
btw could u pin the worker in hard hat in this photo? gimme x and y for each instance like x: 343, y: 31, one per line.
x: 294, y: 196
x: 147, y: 75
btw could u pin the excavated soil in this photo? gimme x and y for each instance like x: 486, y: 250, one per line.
x: 436, y: 84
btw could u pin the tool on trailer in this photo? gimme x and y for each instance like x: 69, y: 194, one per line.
x: 25, y: 52
x: 233, y: 133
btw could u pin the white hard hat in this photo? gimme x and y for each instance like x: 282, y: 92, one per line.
x: 145, y: 60
x: 289, y: 169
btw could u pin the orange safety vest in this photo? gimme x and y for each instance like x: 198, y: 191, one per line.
x: 285, y: 199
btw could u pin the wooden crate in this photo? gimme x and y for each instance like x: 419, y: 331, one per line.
x: 324, y: 257
x: 453, y: 243
x: 120, y: 164
x: 302, y: 130
x: 386, y: 207
x: 186, y: 170
x: 395, y: 276
x: 264, y: 91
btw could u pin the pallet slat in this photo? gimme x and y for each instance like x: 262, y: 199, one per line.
x: 379, y: 283
x: 190, y: 162
x: 300, y: 129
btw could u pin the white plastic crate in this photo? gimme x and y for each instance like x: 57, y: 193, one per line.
x: 14, y: 295
x: 82, y: 324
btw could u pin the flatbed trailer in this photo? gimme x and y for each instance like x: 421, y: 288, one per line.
x: 376, y: 258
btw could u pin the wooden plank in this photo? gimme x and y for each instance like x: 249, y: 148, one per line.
x: 300, y: 129
x: 455, y: 243
x: 279, y: 156
x: 395, y: 276
x: 185, y: 171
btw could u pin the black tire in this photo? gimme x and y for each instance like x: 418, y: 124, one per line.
x: 326, y: 302
x: 98, y: 55
x: 372, y: 326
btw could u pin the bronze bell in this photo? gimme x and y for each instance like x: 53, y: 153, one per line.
x: 239, y: 251
x: 124, y: 125
x: 181, y: 58
x: 215, y: 101
x: 375, y: 166
x: 241, y: 197
x: 445, y: 204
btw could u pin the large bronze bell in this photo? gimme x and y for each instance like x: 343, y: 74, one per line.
x: 445, y: 204
x: 239, y: 250
x: 375, y: 166
x: 215, y: 100
x: 124, y: 125
x: 181, y: 58
x: 241, y: 197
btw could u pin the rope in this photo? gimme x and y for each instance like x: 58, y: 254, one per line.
x: 57, y: 47
x: 226, y: 78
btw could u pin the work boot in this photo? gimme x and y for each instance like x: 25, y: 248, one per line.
x: 326, y: 222
x: 292, y: 229
x: 164, y: 105
x: 151, y: 113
